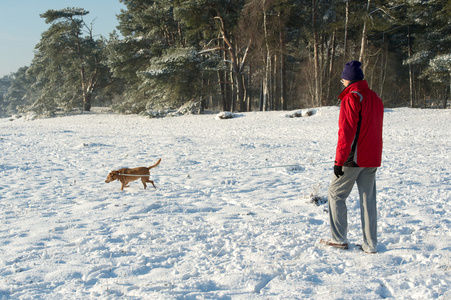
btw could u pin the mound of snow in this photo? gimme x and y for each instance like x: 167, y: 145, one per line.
x: 301, y: 113
x: 225, y: 115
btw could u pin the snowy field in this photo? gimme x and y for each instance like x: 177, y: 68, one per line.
x: 231, y: 217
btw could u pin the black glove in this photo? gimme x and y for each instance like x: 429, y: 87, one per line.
x: 338, y: 171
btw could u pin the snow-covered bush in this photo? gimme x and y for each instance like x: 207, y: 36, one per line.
x: 301, y: 113
x: 189, y: 108
x: 225, y: 115
x: 157, y: 113
x: 314, y: 196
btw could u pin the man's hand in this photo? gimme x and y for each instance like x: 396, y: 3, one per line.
x: 338, y: 171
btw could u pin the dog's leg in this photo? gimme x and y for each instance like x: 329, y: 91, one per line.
x: 143, y: 180
x: 151, y: 181
x: 124, y: 183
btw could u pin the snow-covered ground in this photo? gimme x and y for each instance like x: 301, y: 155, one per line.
x: 231, y: 217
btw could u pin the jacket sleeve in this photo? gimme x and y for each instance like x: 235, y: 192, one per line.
x: 347, y: 127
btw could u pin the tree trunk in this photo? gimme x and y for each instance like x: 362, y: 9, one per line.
x: 345, y: 46
x: 317, y: 71
x: 85, y: 93
x: 412, y: 104
x: 86, y: 96
x: 364, y: 33
x: 249, y: 94
x: 242, y: 85
x: 448, y: 95
x: 283, y: 75
x: 266, y: 83
x: 87, y: 101
x: 221, y: 87
x: 447, y: 90
x: 235, y: 66
x: 275, y: 83
x: 331, y: 65
x: 383, y: 67
x: 232, y: 86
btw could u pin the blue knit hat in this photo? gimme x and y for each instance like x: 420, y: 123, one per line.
x: 352, y: 71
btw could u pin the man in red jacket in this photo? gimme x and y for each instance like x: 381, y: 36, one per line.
x: 358, y: 155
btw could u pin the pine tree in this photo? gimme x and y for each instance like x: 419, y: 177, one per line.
x: 68, y: 63
x: 18, y: 93
x: 5, y: 83
x: 433, y: 46
x: 159, y: 49
x: 149, y: 30
x: 425, y: 29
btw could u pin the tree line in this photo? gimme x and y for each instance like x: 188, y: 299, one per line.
x: 239, y: 55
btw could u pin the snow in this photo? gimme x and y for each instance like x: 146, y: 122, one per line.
x: 231, y: 217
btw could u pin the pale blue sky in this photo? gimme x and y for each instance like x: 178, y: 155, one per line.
x: 21, y: 26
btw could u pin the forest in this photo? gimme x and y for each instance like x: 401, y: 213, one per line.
x: 234, y: 55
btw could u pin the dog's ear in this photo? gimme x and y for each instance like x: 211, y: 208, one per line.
x: 113, y: 173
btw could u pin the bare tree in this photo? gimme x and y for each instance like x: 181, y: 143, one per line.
x: 317, y: 93
x: 364, y: 36
x: 345, y: 46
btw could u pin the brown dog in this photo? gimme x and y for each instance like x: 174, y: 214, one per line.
x: 126, y: 175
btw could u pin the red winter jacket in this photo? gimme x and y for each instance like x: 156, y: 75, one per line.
x: 360, y: 127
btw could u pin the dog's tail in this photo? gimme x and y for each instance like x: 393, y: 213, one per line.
x: 155, y: 165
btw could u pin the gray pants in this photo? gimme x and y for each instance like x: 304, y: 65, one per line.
x: 339, y: 190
